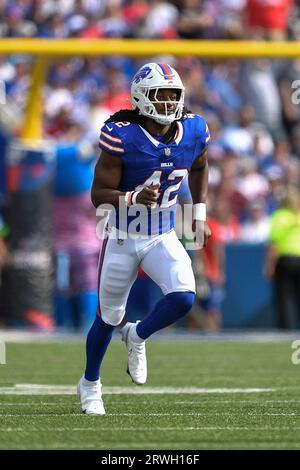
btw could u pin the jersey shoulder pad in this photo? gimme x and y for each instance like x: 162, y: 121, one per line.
x: 198, y: 127
x: 201, y: 130
x: 111, y: 140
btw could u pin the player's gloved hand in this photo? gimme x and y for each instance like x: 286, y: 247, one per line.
x: 202, y: 233
x: 148, y: 196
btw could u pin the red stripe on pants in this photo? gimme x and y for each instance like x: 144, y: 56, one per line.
x: 99, y: 272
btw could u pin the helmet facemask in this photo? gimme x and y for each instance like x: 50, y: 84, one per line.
x: 145, y: 101
x: 166, y: 115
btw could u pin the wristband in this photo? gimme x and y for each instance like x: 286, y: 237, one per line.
x: 134, y: 197
x: 199, y: 211
x: 128, y: 198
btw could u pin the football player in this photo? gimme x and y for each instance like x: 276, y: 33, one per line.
x: 146, y: 153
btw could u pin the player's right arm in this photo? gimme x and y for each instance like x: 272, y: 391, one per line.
x: 107, y: 177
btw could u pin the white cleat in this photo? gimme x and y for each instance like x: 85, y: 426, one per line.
x: 90, y: 397
x: 137, y: 361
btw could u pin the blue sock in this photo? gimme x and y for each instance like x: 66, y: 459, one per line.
x: 97, y: 342
x: 167, y: 311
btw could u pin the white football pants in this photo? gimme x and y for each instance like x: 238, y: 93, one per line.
x: 162, y: 257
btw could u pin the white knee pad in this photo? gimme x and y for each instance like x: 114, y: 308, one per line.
x: 116, y: 280
x: 112, y: 315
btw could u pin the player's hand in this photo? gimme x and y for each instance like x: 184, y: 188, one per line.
x: 202, y: 233
x: 148, y: 196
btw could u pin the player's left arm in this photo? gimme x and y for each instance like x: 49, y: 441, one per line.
x: 198, y: 184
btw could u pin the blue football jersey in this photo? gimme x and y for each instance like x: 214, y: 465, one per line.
x: 146, y: 160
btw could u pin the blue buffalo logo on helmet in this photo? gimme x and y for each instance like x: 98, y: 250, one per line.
x: 141, y: 74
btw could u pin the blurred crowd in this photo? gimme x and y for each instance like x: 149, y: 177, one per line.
x: 193, y: 19
x: 254, y: 122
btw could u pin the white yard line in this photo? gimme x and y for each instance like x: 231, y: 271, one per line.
x: 38, y: 415
x: 146, y: 414
x: 35, y: 403
x: 17, y: 336
x: 151, y: 428
x: 234, y: 400
x: 146, y: 402
x: 39, y: 389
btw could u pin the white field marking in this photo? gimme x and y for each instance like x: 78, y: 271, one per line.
x: 150, y: 446
x: 39, y: 389
x: 38, y: 415
x: 63, y: 446
x: 146, y: 414
x: 263, y: 445
x: 204, y: 403
x: 169, y: 428
x: 225, y: 413
x: 145, y: 402
x: 34, y: 403
x: 16, y: 336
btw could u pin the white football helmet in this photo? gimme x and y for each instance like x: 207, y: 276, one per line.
x: 154, y: 77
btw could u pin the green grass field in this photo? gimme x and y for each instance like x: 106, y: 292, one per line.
x: 216, y: 419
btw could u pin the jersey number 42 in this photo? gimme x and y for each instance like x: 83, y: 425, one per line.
x: 174, y: 180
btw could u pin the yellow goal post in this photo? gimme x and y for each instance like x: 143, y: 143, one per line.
x: 45, y: 50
